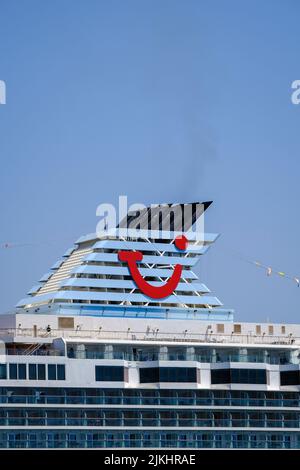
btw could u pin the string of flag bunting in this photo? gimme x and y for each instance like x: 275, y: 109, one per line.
x: 269, y: 271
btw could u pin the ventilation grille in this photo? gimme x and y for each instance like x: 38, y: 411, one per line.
x: 63, y: 272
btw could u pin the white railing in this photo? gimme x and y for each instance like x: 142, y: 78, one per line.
x: 150, y: 336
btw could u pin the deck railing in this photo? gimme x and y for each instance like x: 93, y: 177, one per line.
x: 132, y: 336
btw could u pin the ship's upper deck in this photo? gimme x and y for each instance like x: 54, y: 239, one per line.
x: 39, y: 328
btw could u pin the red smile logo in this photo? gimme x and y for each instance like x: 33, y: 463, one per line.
x: 160, y: 292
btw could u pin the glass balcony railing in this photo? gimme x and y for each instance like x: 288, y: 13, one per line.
x: 155, y: 439
x: 150, y: 422
x: 208, y: 358
x: 38, y: 352
x: 152, y: 401
x: 140, y: 396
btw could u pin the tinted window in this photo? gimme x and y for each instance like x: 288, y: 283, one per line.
x: 177, y: 374
x: 51, y: 372
x: 149, y: 375
x: 32, y: 371
x: 290, y: 377
x: 109, y: 373
x: 168, y: 374
x: 61, y: 375
x: 22, y: 371
x: 41, y: 372
x: 248, y: 376
x: 13, y: 371
x: 3, y: 371
x: 238, y: 376
x: 220, y: 376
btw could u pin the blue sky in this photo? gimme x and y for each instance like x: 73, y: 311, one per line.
x: 163, y: 101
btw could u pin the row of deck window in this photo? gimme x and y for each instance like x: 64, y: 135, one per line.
x: 18, y: 371
x: 181, y: 353
x: 192, y: 375
x: 155, y: 439
x: 146, y: 397
x: 145, y: 417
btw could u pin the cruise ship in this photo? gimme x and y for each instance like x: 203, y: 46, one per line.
x: 89, y: 360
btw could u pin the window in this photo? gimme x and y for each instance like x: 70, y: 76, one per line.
x: 177, y: 374
x: 109, y: 374
x: 290, y: 377
x: 32, y: 372
x: 149, y: 375
x: 220, y: 328
x: 13, y: 371
x: 220, y: 376
x: 61, y: 373
x: 17, y: 371
x: 238, y: 376
x: 258, y: 329
x: 56, y: 372
x: 51, y: 372
x: 271, y: 329
x: 237, y: 328
x: 248, y: 376
x: 37, y: 372
x: 3, y: 373
x: 41, y: 372
x: 22, y: 371
x: 168, y: 374
x: 283, y: 330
